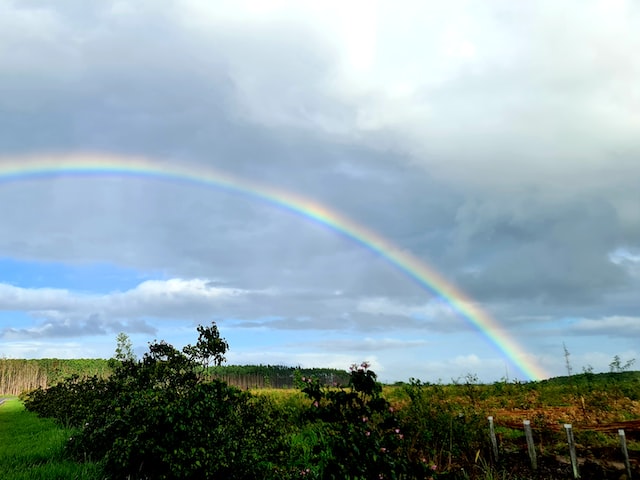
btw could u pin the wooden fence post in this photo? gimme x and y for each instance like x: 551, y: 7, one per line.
x: 572, y: 450
x: 494, y: 442
x: 530, y: 445
x: 625, y: 453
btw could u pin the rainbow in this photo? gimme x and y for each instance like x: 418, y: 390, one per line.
x: 48, y: 165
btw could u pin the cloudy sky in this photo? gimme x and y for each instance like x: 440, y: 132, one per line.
x: 496, y: 142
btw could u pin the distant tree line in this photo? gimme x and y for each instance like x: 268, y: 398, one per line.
x: 276, y: 376
x: 20, y: 375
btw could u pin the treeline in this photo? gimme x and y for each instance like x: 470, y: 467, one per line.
x: 20, y: 375
x: 276, y: 376
x: 601, y: 385
x: 603, y: 379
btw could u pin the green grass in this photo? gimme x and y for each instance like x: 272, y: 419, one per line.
x: 31, y: 448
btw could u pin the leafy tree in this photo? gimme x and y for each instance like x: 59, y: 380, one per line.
x: 124, y: 348
x: 210, y: 347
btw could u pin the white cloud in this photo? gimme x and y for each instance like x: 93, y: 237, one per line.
x: 60, y: 312
x: 18, y: 298
x: 17, y: 349
x: 628, y: 259
x: 613, y: 326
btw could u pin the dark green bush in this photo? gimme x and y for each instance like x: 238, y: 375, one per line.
x: 71, y: 401
x: 211, y: 430
x: 354, y: 433
x: 160, y: 418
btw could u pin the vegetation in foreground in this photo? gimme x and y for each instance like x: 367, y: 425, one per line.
x: 33, y: 448
x: 165, y: 417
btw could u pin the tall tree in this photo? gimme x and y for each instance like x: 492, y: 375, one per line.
x: 124, y: 348
x: 210, y: 348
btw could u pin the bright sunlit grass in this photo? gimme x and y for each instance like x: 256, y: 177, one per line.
x: 31, y: 448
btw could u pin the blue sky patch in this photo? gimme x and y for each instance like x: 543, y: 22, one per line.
x: 93, y: 278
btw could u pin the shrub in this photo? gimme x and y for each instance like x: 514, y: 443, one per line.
x: 211, y: 430
x: 69, y: 402
x: 353, y: 433
x: 440, y: 429
x: 159, y: 418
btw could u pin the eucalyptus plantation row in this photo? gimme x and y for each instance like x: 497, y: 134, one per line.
x: 165, y: 417
x: 19, y: 375
x: 16, y: 376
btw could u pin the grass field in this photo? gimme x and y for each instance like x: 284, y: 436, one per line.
x: 31, y: 448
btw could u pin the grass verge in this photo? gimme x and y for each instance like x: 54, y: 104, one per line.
x: 31, y: 448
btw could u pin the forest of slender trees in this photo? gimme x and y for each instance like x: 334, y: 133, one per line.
x: 19, y: 375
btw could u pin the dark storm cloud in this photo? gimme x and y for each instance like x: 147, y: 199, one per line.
x: 556, y: 253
